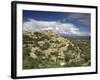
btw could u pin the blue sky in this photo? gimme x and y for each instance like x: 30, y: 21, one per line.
x: 62, y: 22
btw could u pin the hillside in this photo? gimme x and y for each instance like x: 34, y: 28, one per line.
x: 47, y: 49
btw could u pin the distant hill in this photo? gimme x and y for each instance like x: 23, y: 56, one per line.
x: 76, y: 37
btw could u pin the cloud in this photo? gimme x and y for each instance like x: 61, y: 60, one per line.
x: 80, y: 17
x: 63, y: 28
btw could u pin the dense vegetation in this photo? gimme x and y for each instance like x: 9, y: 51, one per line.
x: 46, y: 49
x: 85, y: 47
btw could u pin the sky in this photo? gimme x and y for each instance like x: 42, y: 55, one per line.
x: 68, y: 23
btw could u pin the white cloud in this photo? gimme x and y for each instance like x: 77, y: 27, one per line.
x: 65, y: 28
x: 48, y: 28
